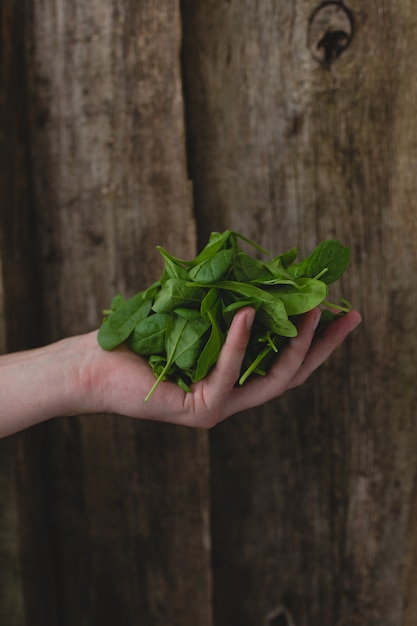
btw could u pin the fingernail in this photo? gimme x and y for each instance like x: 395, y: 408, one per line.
x: 250, y: 316
x: 316, y: 321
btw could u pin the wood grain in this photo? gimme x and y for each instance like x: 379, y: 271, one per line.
x: 20, y: 322
x: 311, y: 495
x: 301, y: 512
x: 125, y: 504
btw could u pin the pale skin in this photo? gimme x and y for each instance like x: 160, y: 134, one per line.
x: 76, y: 377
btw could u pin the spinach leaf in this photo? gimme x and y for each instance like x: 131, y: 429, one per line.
x: 218, y: 241
x: 182, y: 344
x: 211, y: 350
x: 215, y: 243
x: 328, y: 261
x: 192, y: 343
x: 158, y: 363
x: 186, y: 313
x: 247, y: 269
x: 239, y: 304
x: 209, y: 301
x: 176, y: 293
x: 172, y: 269
x: 286, y: 259
x: 306, y: 295
x: 174, y: 332
x: 181, y: 321
x: 212, y: 269
x: 245, y: 289
x: 148, y: 336
x: 117, y: 328
x: 274, y: 316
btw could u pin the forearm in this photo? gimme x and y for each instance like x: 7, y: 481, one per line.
x: 36, y: 385
x: 76, y: 377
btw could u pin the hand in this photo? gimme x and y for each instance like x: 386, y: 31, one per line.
x: 118, y: 381
x: 75, y: 376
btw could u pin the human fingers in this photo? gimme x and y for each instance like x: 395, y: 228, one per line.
x: 226, y: 372
x: 324, y: 344
x: 262, y: 389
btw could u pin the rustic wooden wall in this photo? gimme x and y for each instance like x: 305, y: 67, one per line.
x: 302, y: 126
x: 294, y: 121
x: 114, y: 513
x: 18, y: 287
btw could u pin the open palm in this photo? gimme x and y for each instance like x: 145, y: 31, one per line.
x: 122, y: 379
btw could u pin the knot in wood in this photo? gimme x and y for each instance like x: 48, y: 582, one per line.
x: 330, y: 31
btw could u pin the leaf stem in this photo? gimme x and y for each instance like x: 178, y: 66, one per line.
x: 322, y: 273
x: 169, y: 362
x: 156, y: 383
x: 338, y: 307
x: 254, y: 364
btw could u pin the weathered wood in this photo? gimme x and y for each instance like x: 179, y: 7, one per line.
x: 313, y: 507
x: 127, y: 508
x: 293, y: 136
x: 11, y: 593
x: 19, y: 321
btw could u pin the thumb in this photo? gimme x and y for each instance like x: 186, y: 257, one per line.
x: 227, y: 369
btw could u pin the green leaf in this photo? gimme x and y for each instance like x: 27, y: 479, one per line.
x: 235, y: 306
x: 188, y: 349
x: 117, y: 302
x: 158, y: 363
x: 247, y: 269
x: 329, y: 261
x: 211, y: 350
x: 245, y: 289
x: 187, y: 314
x: 232, y: 308
x: 215, y: 243
x: 117, y: 328
x: 172, y: 268
x: 274, y: 316
x: 181, y: 345
x: 181, y: 321
x: 209, y: 301
x: 181, y: 383
x: 249, y: 241
x: 308, y: 294
x: 286, y: 259
x: 212, y: 269
x: 149, y: 335
x: 177, y: 293
x: 219, y: 241
x: 173, y: 337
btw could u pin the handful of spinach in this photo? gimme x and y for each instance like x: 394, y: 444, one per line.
x: 181, y: 321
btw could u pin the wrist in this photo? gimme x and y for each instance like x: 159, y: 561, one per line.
x: 55, y: 376
x: 53, y: 381
x: 80, y: 383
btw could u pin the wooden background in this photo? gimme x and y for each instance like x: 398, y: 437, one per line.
x: 127, y: 125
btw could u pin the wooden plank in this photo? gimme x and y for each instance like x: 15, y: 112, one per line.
x: 313, y: 496
x: 19, y: 327
x: 128, y: 502
x: 11, y: 592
